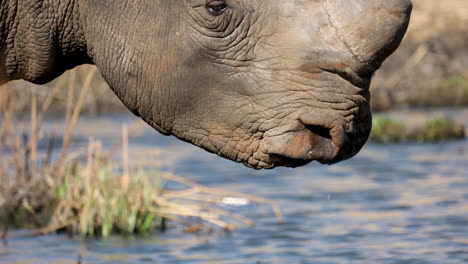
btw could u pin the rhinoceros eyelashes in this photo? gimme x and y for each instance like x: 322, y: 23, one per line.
x: 216, y: 8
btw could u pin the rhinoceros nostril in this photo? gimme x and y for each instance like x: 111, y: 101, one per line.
x: 319, y: 131
x: 286, y: 161
x: 298, y: 147
x: 365, y: 71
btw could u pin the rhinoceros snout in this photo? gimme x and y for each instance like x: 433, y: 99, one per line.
x: 311, y: 140
x: 296, y: 148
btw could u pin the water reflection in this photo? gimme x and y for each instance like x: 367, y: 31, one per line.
x: 390, y: 204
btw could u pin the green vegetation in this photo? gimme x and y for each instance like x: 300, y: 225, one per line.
x: 443, y: 129
x: 456, y: 81
x: 385, y: 130
x: 92, y: 200
x: 451, y: 91
x: 87, y: 193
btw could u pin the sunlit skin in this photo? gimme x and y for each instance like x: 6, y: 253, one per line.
x: 263, y: 83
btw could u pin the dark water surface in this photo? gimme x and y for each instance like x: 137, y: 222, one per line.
x: 405, y: 204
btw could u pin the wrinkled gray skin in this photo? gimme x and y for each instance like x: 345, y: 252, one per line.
x: 265, y: 83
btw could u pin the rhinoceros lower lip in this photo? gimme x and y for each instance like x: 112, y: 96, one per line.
x: 301, y: 147
x: 306, y: 141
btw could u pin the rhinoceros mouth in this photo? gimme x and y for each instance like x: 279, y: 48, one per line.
x: 325, y: 135
x: 309, y: 141
x: 306, y: 139
x: 359, y: 76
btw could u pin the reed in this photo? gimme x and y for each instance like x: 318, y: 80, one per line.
x: 99, y: 99
x: 88, y: 193
x: 97, y: 197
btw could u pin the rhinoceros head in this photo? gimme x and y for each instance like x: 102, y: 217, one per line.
x: 265, y: 83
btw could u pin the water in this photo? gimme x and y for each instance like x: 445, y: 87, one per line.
x: 405, y: 204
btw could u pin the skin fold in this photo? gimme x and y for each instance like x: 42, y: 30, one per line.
x: 264, y: 83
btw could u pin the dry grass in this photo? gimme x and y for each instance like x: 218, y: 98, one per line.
x: 63, y: 190
x: 97, y: 199
x: 432, y: 18
x: 88, y: 193
x: 99, y: 99
x: 430, y: 67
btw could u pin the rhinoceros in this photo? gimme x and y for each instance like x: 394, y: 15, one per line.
x: 265, y: 83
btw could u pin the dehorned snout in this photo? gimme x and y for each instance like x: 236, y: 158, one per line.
x: 370, y: 29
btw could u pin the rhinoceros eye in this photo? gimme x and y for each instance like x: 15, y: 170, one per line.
x: 216, y: 8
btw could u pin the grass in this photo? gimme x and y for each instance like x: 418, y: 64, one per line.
x: 94, y: 199
x: 87, y: 193
x: 451, y: 91
x: 441, y: 129
x: 386, y: 130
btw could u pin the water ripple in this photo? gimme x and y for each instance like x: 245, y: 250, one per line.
x: 405, y: 204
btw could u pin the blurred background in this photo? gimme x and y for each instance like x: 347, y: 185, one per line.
x: 428, y: 70
x: 402, y: 199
